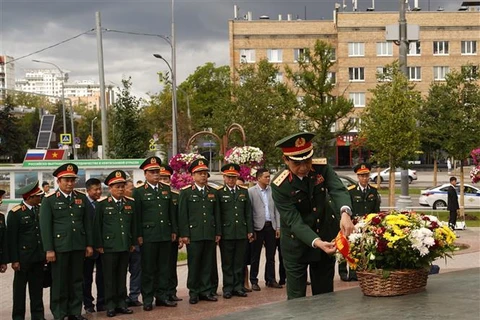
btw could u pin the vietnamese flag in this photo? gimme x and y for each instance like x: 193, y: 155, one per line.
x: 54, y: 154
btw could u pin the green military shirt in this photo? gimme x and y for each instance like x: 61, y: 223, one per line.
x: 364, y: 203
x: 23, y: 233
x: 175, y: 195
x: 305, y: 212
x: 65, y: 225
x: 154, y: 212
x: 198, y: 215
x: 3, y: 241
x: 235, y: 213
x: 114, y: 224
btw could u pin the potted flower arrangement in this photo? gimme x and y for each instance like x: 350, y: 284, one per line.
x: 180, y: 164
x: 249, y: 158
x: 392, y: 251
x: 475, y: 172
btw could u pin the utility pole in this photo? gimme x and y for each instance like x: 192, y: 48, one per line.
x: 101, y: 73
x: 174, y: 86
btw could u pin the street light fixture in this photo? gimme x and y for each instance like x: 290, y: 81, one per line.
x: 91, y: 135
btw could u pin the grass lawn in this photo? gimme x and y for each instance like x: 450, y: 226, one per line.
x: 384, y: 191
x: 472, y: 218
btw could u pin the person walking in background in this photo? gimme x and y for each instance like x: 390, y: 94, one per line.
x: 452, y: 205
x: 449, y: 166
x: 26, y: 253
x: 94, y: 192
x: 266, y: 223
x: 45, y: 187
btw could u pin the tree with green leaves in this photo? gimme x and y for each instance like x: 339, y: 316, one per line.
x: 12, y: 147
x: 264, y: 107
x: 389, y: 122
x: 321, y: 108
x: 129, y: 138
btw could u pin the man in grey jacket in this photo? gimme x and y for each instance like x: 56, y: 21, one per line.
x: 266, y: 224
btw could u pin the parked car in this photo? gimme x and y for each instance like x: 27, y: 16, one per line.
x: 347, y: 181
x: 385, y: 175
x: 436, y: 197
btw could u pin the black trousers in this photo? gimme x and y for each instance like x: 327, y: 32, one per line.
x: 452, y: 220
x: 281, y: 267
x: 115, y: 265
x: 265, y: 236
x: 89, y: 265
x: 31, y: 273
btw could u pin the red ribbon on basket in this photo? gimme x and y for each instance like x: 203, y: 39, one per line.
x: 343, y: 247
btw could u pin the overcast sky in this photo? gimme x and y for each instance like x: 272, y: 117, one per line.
x: 201, y: 33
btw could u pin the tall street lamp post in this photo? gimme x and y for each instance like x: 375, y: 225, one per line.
x: 91, y: 134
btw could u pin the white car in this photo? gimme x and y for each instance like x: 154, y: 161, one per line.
x: 385, y: 175
x: 436, y: 197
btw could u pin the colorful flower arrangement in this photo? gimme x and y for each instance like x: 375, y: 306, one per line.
x: 476, y: 156
x: 475, y: 172
x: 398, y: 240
x: 249, y: 158
x: 180, y: 163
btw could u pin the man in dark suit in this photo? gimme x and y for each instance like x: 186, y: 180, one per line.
x: 199, y: 228
x: 26, y: 253
x: 365, y: 199
x: 308, y: 223
x: 66, y: 232
x: 452, y: 204
x: 94, y: 192
x: 237, y: 229
x: 266, y: 223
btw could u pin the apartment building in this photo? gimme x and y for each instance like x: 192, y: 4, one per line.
x: 7, y: 74
x: 446, y: 41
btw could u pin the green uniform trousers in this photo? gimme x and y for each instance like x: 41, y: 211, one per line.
x: 115, y: 266
x: 31, y: 273
x: 233, y: 258
x: 214, y: 287
x: 66, y: 293
x: 173, y: 277
x: 200, y: 259
x: 155, y: 270
x: 321, y: 276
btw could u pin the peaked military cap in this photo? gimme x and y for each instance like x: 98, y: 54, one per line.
x: 166, y: 171
x: 362, y: 168
x: 298, y: 146
x: 30, y: 190
x: 151, y: 163
x: 117, y: 176
x: 231, y: 170
x: 198, y: 165
x: 67, y: 170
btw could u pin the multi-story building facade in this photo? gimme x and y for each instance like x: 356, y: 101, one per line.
x: 447, y: 41
x: 7, y: 74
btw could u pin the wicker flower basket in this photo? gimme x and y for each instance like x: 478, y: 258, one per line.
x: 398, y: 283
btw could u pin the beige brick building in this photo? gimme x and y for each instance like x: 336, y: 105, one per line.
x: 447, y: 41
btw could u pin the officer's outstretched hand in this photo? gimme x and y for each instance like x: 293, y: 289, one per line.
x: 217, y: 239
x: 180, y: 244
x: 346, y: 224
x: 51, y: 256
x: 250, y: 237
x: 185, y: 240
x: 140, y: 241
x: 3, y: 268
x: 132, y: 248
x: 174, y: 237
x: 16, y: 266
x: 100, y: 250
x: 88, y: 251
x: 328, y: 247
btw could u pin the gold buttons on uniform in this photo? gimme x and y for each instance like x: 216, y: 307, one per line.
x: 292, y: 236
x: 314, y: 209
x: 74, y: 229
x: 318, y: 220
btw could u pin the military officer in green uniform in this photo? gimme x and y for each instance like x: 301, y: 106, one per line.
x: 3, y: 239
x: 365, y: 199
x: 66, y: 232
x: 199, y: 227
x: 26, y: 253
x: 237, y: 229
x: 307, y: 222
x: 114, y: 238
x: 156, y: 231
x: 165, y: 174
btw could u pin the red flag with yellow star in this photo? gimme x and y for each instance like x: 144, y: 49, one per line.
x: 54, y: 154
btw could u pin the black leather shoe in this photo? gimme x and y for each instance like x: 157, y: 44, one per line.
x: 247, y: 289
x: 173, y: 297
x: 256, y: 287
x: 193, y: 300
x: 123, y: 310
x: 227, y: 295
x: 165, y: 303
x: 215, y: 294
x: 308, y: 283
x: 208, y: 298
x: 78, y: 317
x: 134, y: 303
x: 239, y: 294
x: 90, y: 309
x: 100, y: 308
x: 274, y: 284
x: 147, y: 307
x: 344, y: 277
x: 111, y: 313
x: 282, y: 282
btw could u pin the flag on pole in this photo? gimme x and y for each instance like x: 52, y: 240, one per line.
x: 34, y: 155
x: 54, y: 154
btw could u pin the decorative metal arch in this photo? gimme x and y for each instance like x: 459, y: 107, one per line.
x: 205, y: 133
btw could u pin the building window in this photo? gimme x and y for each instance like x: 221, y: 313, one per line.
x: 274, y: 55
x: 356, y: 74
x: 358, y: 99
x: 356, y: 49
x: 384, y: 49
x: 440, y: 47
x: 332, y: 77
x: 439, y: 73
x: 469, y: 47
x: 247, y: 56
x: 279, y: 77
x: 382, y: 74
x: 299, y: 54
x: 334, y: 55
x: 414, y: 73
x: 356, y: 124
x: 414, y: 48
x: 471, y: 72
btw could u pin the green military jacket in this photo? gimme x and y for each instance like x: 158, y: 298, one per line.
x: 364, y: 203
x: 23, y: 233
x: 235, y: 213
x: 154, y: 212
x: 3, y: 240
x: 175, y: 195
x: 65, y: 225
x: 114, y: 225
x: 305, y: 211
x: 198, y: 215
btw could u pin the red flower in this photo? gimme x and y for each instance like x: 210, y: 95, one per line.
x: 376, y: 220
x: 381, y: 246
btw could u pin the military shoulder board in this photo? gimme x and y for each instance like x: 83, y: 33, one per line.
x: 101, y: 199
x: 174, y: 191
x: 319, y: 161
x: 49, y: 195
x: 281, y: 177
x: 243, y: 187
x: 140, y: 185
x: 16, y: 208
x: 81, y: 192
x: 373, y: 187
x: 165, y: 183
x: 129, y: 198
x: 186, y: 187
x: 352, y: 187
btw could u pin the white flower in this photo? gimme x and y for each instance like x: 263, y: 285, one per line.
x: 372, y: 256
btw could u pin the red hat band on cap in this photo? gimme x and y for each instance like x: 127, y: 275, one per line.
x: 151, y: 166
x: 200, y: 167
x: 35, y: 191
x: 363, y: 169
x: 165, y: 172
x: 293, y: 151
x: 231, y: 172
